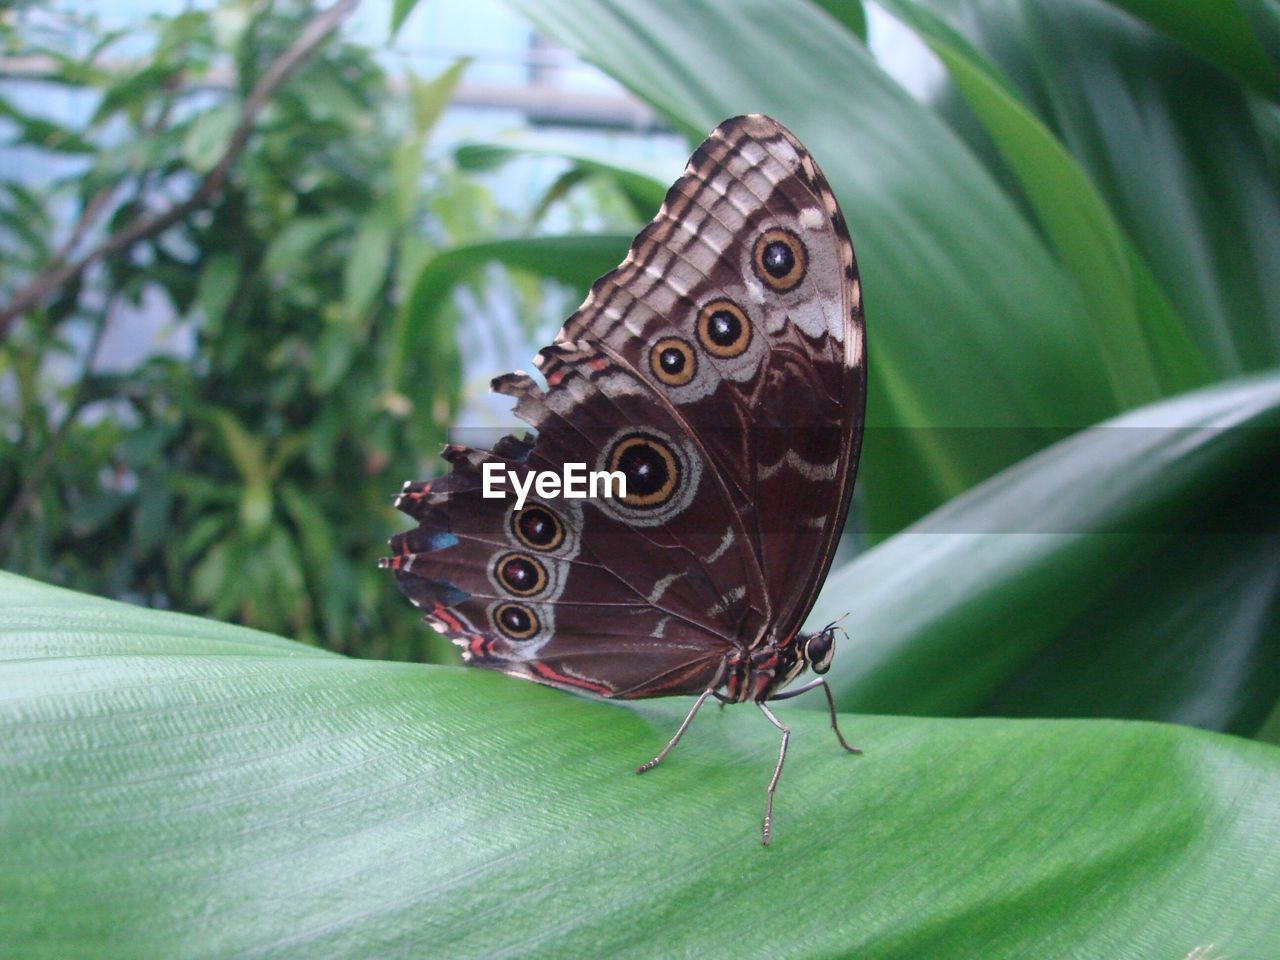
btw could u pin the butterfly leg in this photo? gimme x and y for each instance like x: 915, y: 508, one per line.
x: 831, y: 707
x: 679, y: 733
x: 777, y: 771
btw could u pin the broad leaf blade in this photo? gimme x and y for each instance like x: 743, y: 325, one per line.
x: 44, y: 622
x: 1220, y: 31
x: 1144, y: 344
x: 575, y: 260
x: 1191, y: 634
x: 168, y: 805
x: 946, y: 615
x: 1172, y: 143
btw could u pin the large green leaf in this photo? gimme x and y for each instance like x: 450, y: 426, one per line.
x: 1171, y: 142
x: 174, y: 788
x: 971, y: 322
x: 573, y: 260
x: 1220, y: 31
x: 1129, y: 570
x: 1146, y: 348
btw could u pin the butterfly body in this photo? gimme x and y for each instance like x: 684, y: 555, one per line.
x: 721, y: 370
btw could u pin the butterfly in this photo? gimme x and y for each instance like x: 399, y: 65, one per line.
x: 721, y: 371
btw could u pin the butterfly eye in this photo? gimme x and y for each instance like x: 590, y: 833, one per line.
x: 723, y: 328
x: 516, y: 621
x: 780, y: 259
x: 650, y: 468
x: 672, y: 361
x: 819, y: 650
x: 538, y: 528
x: 523, y: 576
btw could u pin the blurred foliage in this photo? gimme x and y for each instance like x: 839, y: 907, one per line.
x: 244, y: 470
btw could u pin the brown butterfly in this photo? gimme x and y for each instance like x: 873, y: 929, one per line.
x: 721, y: 370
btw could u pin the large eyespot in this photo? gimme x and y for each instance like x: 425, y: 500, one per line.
x: 516, y: 621
x: 672, y: 361
x: 537, y: 528
x: 651, y: 469
x: 780, y: 259
x: 524, y: 576
x: 723, y: 328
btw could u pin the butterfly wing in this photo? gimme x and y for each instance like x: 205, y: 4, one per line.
x: 741, y: 303
x: 621, y: 597
x: 721, y: 369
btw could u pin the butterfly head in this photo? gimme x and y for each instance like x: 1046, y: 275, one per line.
x: 820, y: 647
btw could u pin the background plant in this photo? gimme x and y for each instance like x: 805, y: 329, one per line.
x: 267, y: 183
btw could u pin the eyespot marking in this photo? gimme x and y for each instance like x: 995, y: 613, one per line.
x: 651, y: 469
x: 673, y: 361
x: 516, y: 621
x: 780, y: 259
x: 723, y: 329
x: 522, y: 575
x: 537, y: 528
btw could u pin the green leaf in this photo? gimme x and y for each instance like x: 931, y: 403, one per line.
x: 248, y: 454
x: 1126, y: 308
x: 150, y: 523
x: 281, y: 801
x: 406, y: 178
x: 430, y: 98
x: 849, y: 14
x: 207, y: 137
x: 42, y: 133
x: 368, y: 265
x: 1177, y: 148
x: 560, y: 188
x: 134, y: 89
x: 217, y: 286
x: 955, y: 278
x: 575, y: 260
x: 1091, y: 546
x: 1218, y: 30
x: 314, y: 530
x: 643, y: 186
x: 400, y: 9
x: 295, y: 242
x: 41, y: 622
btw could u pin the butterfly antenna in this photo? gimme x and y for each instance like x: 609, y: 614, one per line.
x: 838, y: 622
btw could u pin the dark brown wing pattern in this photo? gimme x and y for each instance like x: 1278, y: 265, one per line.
x: 721, y: 368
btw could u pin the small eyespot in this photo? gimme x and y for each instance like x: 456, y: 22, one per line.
x: 537, y: 528
x: 780, y: 259
x: 723, y: 329
x: 651, y: 469
x: 516, y: 621
x: 522, y: 575
x: 673, y: 362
